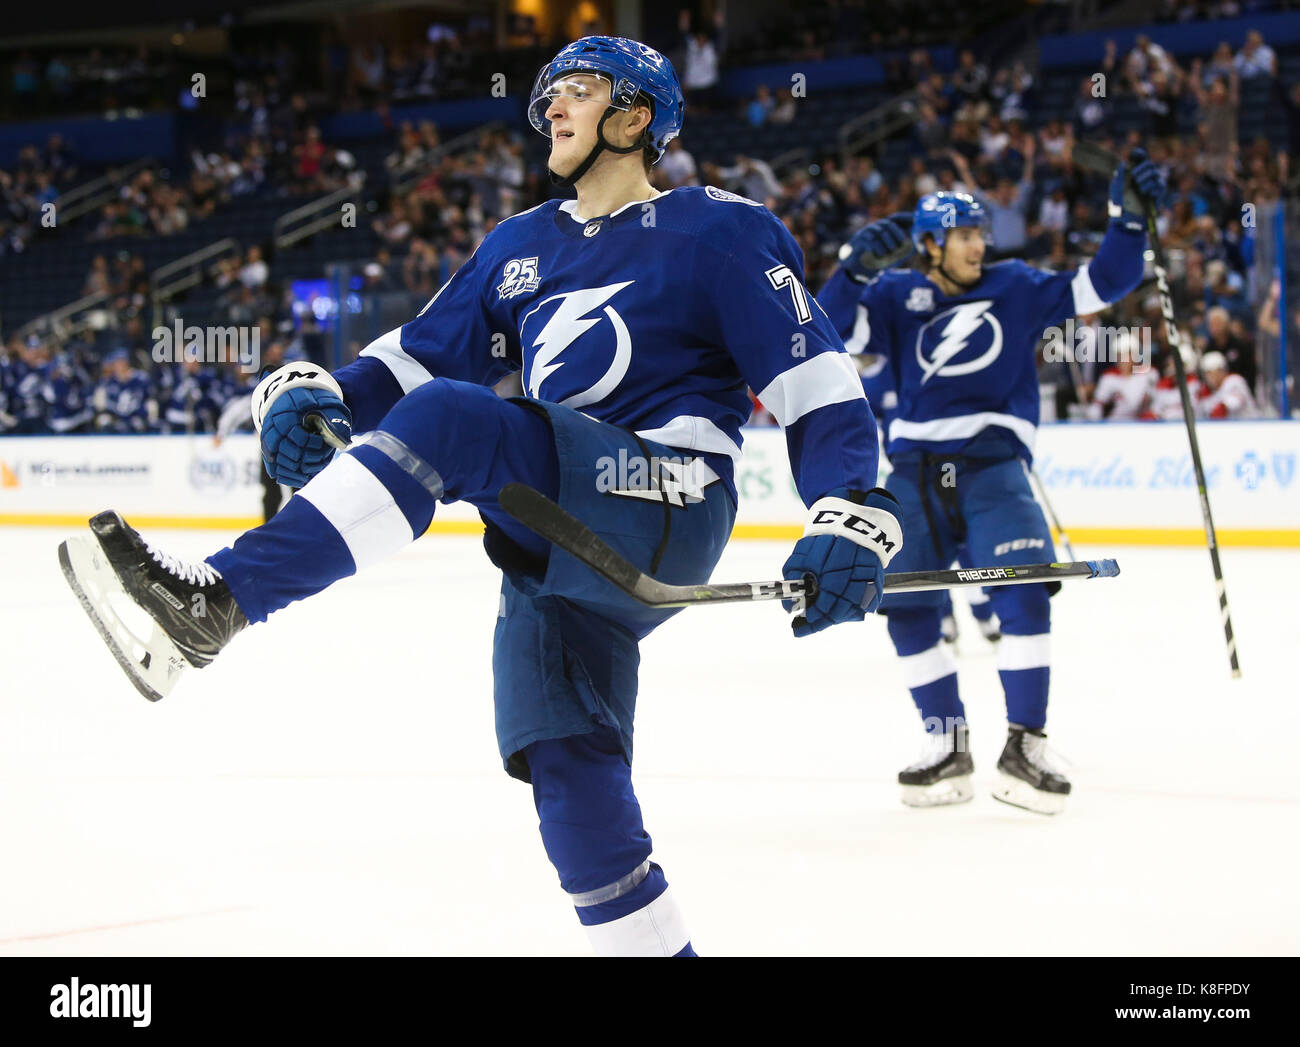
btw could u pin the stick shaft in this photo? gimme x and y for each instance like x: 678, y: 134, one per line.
x: 1051, y: 513
x: 563, y: 530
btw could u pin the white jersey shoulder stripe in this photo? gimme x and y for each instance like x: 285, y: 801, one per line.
x: 693, y: 433
x: 825, y: 379
x: 1086, y: 298
x: 387, y: 348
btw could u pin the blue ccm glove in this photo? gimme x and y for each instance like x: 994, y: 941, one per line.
x: 847, y: 543
x: 1135, y: 182
x: 877, y: 246
x: 292, y: 453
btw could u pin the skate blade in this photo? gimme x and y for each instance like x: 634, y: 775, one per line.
x: 1018, y: 793
x: 153, y: 664
x: 940, y: 794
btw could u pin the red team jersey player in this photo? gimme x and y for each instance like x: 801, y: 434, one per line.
x: 633, y: 323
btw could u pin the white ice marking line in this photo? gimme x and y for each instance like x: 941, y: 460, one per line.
x: 123, y: 926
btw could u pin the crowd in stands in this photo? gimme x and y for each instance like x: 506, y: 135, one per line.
x: 36, y: 180
x: 977, y: 130
x: 46, y: 388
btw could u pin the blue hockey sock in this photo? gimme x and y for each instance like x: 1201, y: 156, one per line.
x: 1023, y: 654
x: 591, y: 826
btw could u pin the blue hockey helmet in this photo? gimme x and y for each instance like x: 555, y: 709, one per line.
x: 936, y: 213
x: 631, y: 69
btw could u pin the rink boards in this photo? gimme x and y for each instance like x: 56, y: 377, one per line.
x: 1113, y: 482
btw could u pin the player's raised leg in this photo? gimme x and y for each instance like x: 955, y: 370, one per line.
x: 443, y: 441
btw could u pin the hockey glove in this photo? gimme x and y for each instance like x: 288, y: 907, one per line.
x: 847, y: 543
x: 877, y: 246
x: 1136, y: 183
x: 292, y: 453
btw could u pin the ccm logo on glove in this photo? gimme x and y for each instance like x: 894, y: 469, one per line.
x: 290, y: 376
x: 870, y: 528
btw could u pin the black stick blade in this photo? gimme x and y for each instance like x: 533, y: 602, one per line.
x: 542, y: 516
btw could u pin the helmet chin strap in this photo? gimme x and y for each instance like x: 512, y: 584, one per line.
x: 568, y: 181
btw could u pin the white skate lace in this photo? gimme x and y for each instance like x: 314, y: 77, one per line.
x: 1036, y: 751
x: 201, y: 573
x: 937, y: 748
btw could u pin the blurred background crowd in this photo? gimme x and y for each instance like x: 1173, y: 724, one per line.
x: 317, y: 183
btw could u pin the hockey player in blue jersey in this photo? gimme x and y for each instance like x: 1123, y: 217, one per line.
x: 960, y: 337
x: 123, y: 398
x: 630, y: 323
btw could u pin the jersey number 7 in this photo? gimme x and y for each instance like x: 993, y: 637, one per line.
x: 781, y: 276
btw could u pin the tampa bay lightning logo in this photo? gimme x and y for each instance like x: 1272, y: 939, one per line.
x: 960, y: 340
x: 559, y: 322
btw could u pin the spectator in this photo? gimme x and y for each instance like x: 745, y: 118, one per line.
x: 1226, y: 395
x: 26, y: 404
x: 676, y: 167
x: 970, y: 78
x: 1007, y: 204
x: 760, y: 107
x: 1255, y: 58
x: 97, y: 280
x: 255, y: 271
x: 1145, y: 58
x: 785, y: 110
x: 309, y: 163
x: 1217, y: 127
x: 700, y: 73
x: 1090, y: 111
x: 930, y: 132
x: 1220, y: 338
x: 1220, y: 67
x: 751, y: 178
x: 1010, y: 92
x: 993, y: 141
x: 1054, y: 211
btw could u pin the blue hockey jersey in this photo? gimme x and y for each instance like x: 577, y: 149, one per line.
x: 966, y: 364
x: 654, y: 318
x: 66, y: 392
x: 124, y: 404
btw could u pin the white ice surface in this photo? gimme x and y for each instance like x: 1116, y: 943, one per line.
x: 331, y: 784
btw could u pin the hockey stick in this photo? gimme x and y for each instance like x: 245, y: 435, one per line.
x: 314, y: 423
x: 1094, y: 158
x: 1037, y: 481
x: 541, y: 515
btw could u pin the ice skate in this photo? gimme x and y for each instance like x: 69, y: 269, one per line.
x: 942, y: 775
x: 1025, y: 778
x: 990, y: 628
x: 193, y: 612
